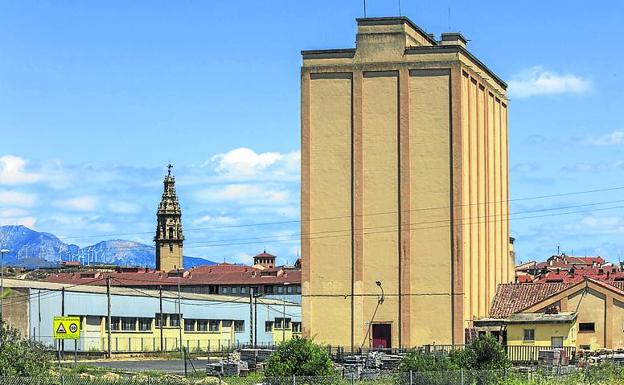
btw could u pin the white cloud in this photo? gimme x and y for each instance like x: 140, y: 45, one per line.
x: 539, y: 81
x: 243, y: 193
x: 24, y: 221
x: 244, y: 258
x: 215, y: 221
x: 81, y: 203
x: 15, y: 198
x: 614, y: 138
x: 13, y: 212
x: 12, y: 171
x: 121, y: 207
x: 244, y: 163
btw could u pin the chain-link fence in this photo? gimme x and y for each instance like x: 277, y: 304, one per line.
x: 460, y: 377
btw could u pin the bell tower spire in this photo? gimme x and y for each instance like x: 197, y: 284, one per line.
x: 169, y: 237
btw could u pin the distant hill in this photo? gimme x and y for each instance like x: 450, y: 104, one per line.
x: 31, y: 249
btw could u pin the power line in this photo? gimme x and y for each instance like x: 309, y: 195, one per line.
x: 411, y: 228
x: 466, y: 220
x: 265, y: 238
x: 368, y: 214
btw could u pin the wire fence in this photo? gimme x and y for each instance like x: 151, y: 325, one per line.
x: 461, y: 377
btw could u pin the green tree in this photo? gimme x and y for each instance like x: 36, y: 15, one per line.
x: 483, y: 353
x: 299, y: 357
x: 19, y: 357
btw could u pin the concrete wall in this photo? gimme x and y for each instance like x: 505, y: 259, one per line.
x: 485, y: 196
x: 401, y: 150
x: 543, y: 334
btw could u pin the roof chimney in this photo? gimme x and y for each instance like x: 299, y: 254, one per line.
x: 454, y: 38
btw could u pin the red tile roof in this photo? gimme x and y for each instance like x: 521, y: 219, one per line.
x: 511, y: 298
x: 206, y: 275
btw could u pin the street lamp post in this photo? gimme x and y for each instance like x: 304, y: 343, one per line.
x: 2, y: 252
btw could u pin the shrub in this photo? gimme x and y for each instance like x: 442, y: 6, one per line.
x: 19, y: 357
x: 483, y: 353
x: 299, y: 357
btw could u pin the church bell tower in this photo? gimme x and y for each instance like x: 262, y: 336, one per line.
x: 169, y: 237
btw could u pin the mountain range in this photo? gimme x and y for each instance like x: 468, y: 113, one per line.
x: 32, y: 249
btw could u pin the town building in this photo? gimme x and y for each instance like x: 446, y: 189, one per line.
x: 222, y: 279
x: 587, y: 314
x: 169, y: 238
x: 202, y: 321
x: 404, y: 140
x: 568, y: 269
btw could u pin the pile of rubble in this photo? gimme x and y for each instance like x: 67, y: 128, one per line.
x: 230, y: 366
x: 239, y: 363
x: 369, y: 366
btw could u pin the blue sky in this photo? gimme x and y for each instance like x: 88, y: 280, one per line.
x: 96, y: 97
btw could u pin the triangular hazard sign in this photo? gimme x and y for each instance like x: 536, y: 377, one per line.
x: 61, y: 329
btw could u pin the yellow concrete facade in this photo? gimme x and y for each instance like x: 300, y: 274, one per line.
x: 543, y: 334
x: 405, y: 183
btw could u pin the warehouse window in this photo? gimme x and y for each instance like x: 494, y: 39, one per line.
x: 226, y: 323
x: 587, y: 327
x: 298, y: 289
x: 280, y: 290
x: 225, y: 290
x: 268, y: 326
x: 268, y: 289
x: 174, y: 320
x: 282, y: 323
x: 529, y: 335
x: 164, y: 319
x: 243, y: 289
x: 202, y: 325
x: 145, y: 324
x: 114, y: 323
x: 128, y: 324
x: 213, y: 325
x: 189, y: 325
x: 234, y: 290
x: 296, y: 327
x: 289, y: 289
x: 239, y: 326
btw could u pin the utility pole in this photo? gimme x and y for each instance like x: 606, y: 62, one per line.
x: 251, y: 319
x: 284, y: 311
x: 108, y: 316
x: 2, y: 252
x: 182, y: 352
x: 160, y: 315
x: 255, y: 323
x: 63, y: 314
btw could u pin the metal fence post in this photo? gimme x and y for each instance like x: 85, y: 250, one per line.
x: 294, y: 380
x: 411, y: 377
x: 461, y: 372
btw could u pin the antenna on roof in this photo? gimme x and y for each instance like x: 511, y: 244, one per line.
x: 400, y: 14
x: 364, y: 8
x: 449, y: 18
x: 558, y: 249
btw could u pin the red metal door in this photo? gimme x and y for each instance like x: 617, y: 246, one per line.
x: 382, y: 336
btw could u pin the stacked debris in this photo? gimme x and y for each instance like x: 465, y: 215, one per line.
x: 369, y: 366
x: 227, y: 368
x: 255, y: 357
x: 552, y: 357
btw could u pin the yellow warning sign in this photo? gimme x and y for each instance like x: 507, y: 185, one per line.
x: 66, y: 328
